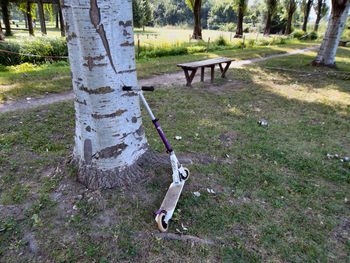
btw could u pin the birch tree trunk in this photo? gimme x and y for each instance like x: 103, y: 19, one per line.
x: 109, y: 138
x: 335, y: 27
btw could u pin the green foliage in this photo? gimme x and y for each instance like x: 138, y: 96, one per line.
x: 221, y: 41
x: 301, y: 35
x: 142, y: 13
x: 228, y: 27
x: 222, y: 12
x: 272, y: 6
x: 298, y: 34
x: 42, y: 46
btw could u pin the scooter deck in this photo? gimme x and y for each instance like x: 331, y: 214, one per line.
x: 171, y: 197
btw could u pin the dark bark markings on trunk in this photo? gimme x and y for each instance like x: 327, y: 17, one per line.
x: 95, y: 17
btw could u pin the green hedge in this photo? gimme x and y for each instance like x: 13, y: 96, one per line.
x: 42, y: 46
x: 58, y: 47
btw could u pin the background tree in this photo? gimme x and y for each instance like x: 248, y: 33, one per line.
x: 272, y: 7
x: 291, y: 7
x: 142, y: 13
x: 147, y: 13
x: 222, y: 12
x: 2, y: 37
x: 28, y: 9
x: 40, y: 9
x: 321, y: 10
x: 110, y: 144
x: 335, y: 27
x: 6, y: 17
x: 306, y: 7
x: 241, y: 6
x: 195, y: 6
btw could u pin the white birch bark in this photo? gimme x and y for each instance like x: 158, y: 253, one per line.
x: 109, y: 136
x: 335, y: 27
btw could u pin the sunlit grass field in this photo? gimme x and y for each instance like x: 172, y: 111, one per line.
x: 278, y: 197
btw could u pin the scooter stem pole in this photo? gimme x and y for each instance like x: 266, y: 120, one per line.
x: 147, y: 107
x: 155, y: 122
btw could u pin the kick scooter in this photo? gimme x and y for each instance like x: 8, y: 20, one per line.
x: 180, y: 173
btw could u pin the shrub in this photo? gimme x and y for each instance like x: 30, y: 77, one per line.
x: 221, y: 41
x: 279, y: 41
x: 251, y: 42
x: 313, y: 35
x: 41, y: 46
x: 298, y: 34
x: 196, y: 49
x: 228, y: 27
x: 7, y: 59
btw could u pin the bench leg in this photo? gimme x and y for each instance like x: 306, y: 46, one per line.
x: 212, y: 74
x: 223, y: 70
x: 202, y: 74
x: 189, y: 78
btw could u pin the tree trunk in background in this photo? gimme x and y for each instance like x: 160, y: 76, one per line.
x: 6, y: 17
x: 318, y: 11
x: 25, y: 19
x: 268, y: 23
x: 336, y: 23
x: 289, y: 23
x: 29, y: 19
x: 239, y: 30
x: 41, y: 16
x: 110, y: 142
x: 2, y: 37
x: 61, y: 19
x: 306, y: 14
x: 197, y: 30
x: 57, y: 20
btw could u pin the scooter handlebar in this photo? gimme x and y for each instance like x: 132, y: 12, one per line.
x: 148, y: 88
x: 144, y: 88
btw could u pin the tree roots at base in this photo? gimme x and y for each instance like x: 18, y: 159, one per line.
x: 94, y: 178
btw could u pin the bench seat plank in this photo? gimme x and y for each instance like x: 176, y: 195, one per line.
x: 205, y: 63
x: 210, y: 63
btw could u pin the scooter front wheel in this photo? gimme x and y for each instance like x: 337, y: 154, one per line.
x: 186, y: 175
x: 162, y: 225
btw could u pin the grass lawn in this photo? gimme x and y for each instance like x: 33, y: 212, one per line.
x: 28, y: 80
x: 278, y: 197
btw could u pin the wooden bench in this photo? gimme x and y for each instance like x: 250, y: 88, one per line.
x: 342, y: 43
x: 209, y: 63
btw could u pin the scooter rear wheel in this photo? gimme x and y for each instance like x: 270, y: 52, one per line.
x: 163, y: 227
x: 187, y: 174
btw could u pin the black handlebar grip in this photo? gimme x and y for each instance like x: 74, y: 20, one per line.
x: 127, y: 88
x: 148, y: 88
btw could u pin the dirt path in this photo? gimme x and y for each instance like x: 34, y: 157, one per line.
x: 157, y: 81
